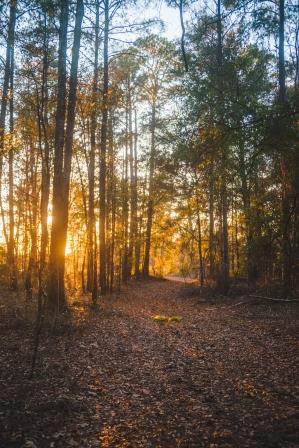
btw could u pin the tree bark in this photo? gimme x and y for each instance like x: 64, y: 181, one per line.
x: 150, y: 204
x: 63, y: 156
x: 224, y: 268
x: 133, y: 189
x: 284, y: 164
x: 8, y: 85
x: 45, y: 155
x: 92, y: 283
x: 211, y: 224
x: 125, y: 207
x: 103, y: 150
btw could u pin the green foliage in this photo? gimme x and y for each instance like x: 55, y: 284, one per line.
x: 162, y: 318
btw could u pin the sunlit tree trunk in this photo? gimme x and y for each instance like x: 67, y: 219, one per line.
x: 199, y: 242
x: 33, y: 203
x: 125, y: 208
x: 63, y: 156
x: 56, y: 297
x: 133, y: 187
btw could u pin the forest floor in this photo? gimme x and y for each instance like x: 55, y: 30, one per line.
x: 226, y: 375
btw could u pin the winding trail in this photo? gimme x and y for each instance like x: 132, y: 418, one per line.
x: 176, y: 278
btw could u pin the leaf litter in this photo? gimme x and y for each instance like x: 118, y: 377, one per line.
x: 114, y: 377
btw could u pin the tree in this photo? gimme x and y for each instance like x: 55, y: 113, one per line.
x: 63, y: 155
x: 7, y: 96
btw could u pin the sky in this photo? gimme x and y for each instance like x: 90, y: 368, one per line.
x: 170, y: 17
x: 141, y: 12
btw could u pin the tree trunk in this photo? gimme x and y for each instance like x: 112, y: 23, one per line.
x: 56, y: 297
x: 285, y: 184
x: 103, y: 146
x: 135, y: 201
x: 150, y: 204
x: 211, y: 224
x: 111, y: 200
x: 8, y: 84
x: 125, y: 198
x: 224, y: 268
x: 63, y: 156
x: 201, y: 267
x: 133, y: 205
x: 92, y: 283
x: 11, y: 250
x: 45, y: 155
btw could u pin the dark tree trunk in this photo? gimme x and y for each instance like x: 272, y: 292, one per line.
x: 211, y: 225
x: 113, y: 208
x: 103, y: 146
x: 56, y: 298
x: 92, y: 283
x: 200, y: 256
x: 150, y: 204
x: 8, y: 85
x: 63, y: 156
x: 284, y: 163
x: 224, y: 268
x: 45, y: 155
x: 11, y: 249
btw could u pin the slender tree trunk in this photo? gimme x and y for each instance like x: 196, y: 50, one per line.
x: 201, y: 267
x: 135, y: 201
x: 133, y: 189
x: 125, y: 206
x: 111, y: 204
x: 92, y: 283
x: 43, y: 127
x: 150, y: 204
x: 251, y: 265
x: 8, y: 85
x: 225, y: 244
x: 109, y: 182
x: 32, y: 188
x: 285, y: 184
x: 224, y: 269
x: 103, y: 146
x: 211, y: 224
x: 113, y: 225
x: 11, y: 251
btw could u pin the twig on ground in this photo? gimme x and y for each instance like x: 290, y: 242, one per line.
x: 230, y: 306
x: 273, y: 299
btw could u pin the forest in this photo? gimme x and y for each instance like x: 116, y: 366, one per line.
x: 149, y: 228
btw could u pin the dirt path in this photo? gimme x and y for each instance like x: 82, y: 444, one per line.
x: 222, y: 377
x: 176, y: 278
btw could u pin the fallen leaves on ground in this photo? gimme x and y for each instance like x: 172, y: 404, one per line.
x: 115, y: 377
